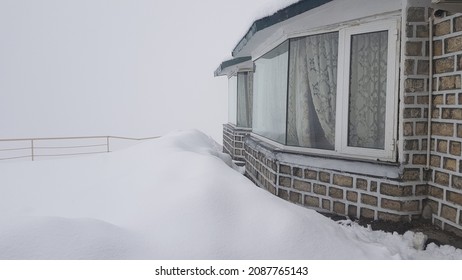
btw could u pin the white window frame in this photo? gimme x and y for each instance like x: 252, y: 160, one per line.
x: 341, y: 149
x: 343, y: 91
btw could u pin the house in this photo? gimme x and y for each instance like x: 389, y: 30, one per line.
x: 344, y: 106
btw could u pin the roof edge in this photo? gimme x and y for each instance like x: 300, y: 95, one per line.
x: 280, y: 16
x: 229, y: 63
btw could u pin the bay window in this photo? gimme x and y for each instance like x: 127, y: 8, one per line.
x: 331, y: 93
x: 240, y: 99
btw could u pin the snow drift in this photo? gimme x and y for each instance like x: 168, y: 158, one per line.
x: 171, y: 198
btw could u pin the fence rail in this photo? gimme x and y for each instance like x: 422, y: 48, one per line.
x: 35, y: 148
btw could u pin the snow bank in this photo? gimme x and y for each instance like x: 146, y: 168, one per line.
x: 170, y: 198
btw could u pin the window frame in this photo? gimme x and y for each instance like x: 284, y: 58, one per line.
x: 341, y: 149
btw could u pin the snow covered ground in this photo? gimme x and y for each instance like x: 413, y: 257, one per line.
x: 171, y: 198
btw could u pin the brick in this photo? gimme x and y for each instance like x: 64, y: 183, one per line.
x: 390, y: 204
x: 335, y: 193
x: 409, y: 100
x: 412, y: 113
x: 419, y: 159
x: 453, y: 44
x: 391, y: 217
x: 409, y: 66
x: 408, y: 129
x: 455, y: 148
x: 443, y: 129
x: 352, y: 196
x: 284, y: 169
x: 326, y: 204
x: 319, y: 189
x: 421, y: 190
x: 444, y: 65
x: 367, y: 213
x: 435, y: 113
x: 456, y: 182
x: 302, y: 185
x: 415, y: 14
x: 423, y: 67
x: 352, y: 211
x: 310, y: 174
x: 361, y: 184
x: 414, y: 85
x: 449, y: 82
x: 435, y: 161
x: 450, y: 99
x: 395, y: 190
x: 422, y: 99
x: 369, y: 199
x: 442, y: 146
x: 438, y: 100
x: 324, y: 177
x: 409, y: 31
x: 457, y: 24
x: 373, y: 186
x: 411, y: 174
x: 437, y: 47
x: 454, y: 197
x: 339, y: 208
x: 421, y: 128
x: 450, y: 164
x: 411, y: 145
x: 459, y: 131
x: 422, y: 31
x: 297, y: 172
x: 295, y: 197
x: 442, y: 28
x: 283, y: 194
x: 414, y: 48
x: 342, y: 180
x: 311, y: 201
x: 452, y: 113
x: 436, y: 192
x: 441, y: 178
x: 284, y: 181
x: 449, y: 213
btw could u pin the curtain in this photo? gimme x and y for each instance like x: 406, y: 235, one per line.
x: 244, y: 99
x: 312, y: 91
x: 368, y: 81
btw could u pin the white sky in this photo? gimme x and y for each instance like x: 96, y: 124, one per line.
x: 119, y: 67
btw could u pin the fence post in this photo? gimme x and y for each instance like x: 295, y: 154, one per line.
x: 32, y: 148
x: 107, y: 143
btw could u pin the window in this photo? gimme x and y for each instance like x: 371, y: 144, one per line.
x: 270, y: 94
x: 244, y: 99
x: 232, y: 100
x: 331, y: 93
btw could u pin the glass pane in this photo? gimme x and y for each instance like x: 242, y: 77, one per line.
x: 232, y: 99
x: 368, y: 88
x: 312, y: 91
x: 270, y: 94
x: 244, y: 99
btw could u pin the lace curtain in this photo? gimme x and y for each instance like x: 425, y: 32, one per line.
x: 312, y: 91
x: 368, y: 81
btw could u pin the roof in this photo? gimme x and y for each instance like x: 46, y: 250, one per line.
x: 280, y: 16
x: 228, y: 66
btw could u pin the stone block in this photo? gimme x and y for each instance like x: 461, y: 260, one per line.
x: 284, y: 181
x: 284, y: 169
x: 319, y: 189
x: 454, y: 197
x: 450, y: 164
x: 452, y: 113
x: 414, y: 85
x: 412, y: 113
x: 415, y: 14
x: 448, y: 212
x: 361, y: 184
x: 441, y: 178
x: 450, y: 99
x: 326, y: 204
x: 455, y: 148
x: 369, y: 199
x: 390, y: 204
x: 367, y: 213
x: 283, y: 194
x: 391, y: 217
x: 456, y: 182
x: 442, y: 146
x: 449, y: 82
x: 352, y: 211
x: 411, y: 174
x: 352, y: 196
x: 436, y: 192
x: 443, y: 129
x: 302, y: 185
x: 453, y: 44
x: 442, y: 28
x: 409, y: 66
x: 435, y: 161
x: 437, y: 47
x: 444, y: 65
x: 421, y: 128
x: 408, y: 129
x: 295, y: 197
x: 395, y: 190
x: 339, y: 208
x: 311, y: 174
x: 324, y: 177
x: 311, y: 201
x: 342, y: 180
x: 373, y: 186
x: 422, y: 31
x: 457, y: 24
x: 419, y: 159
x: 336, y: 193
